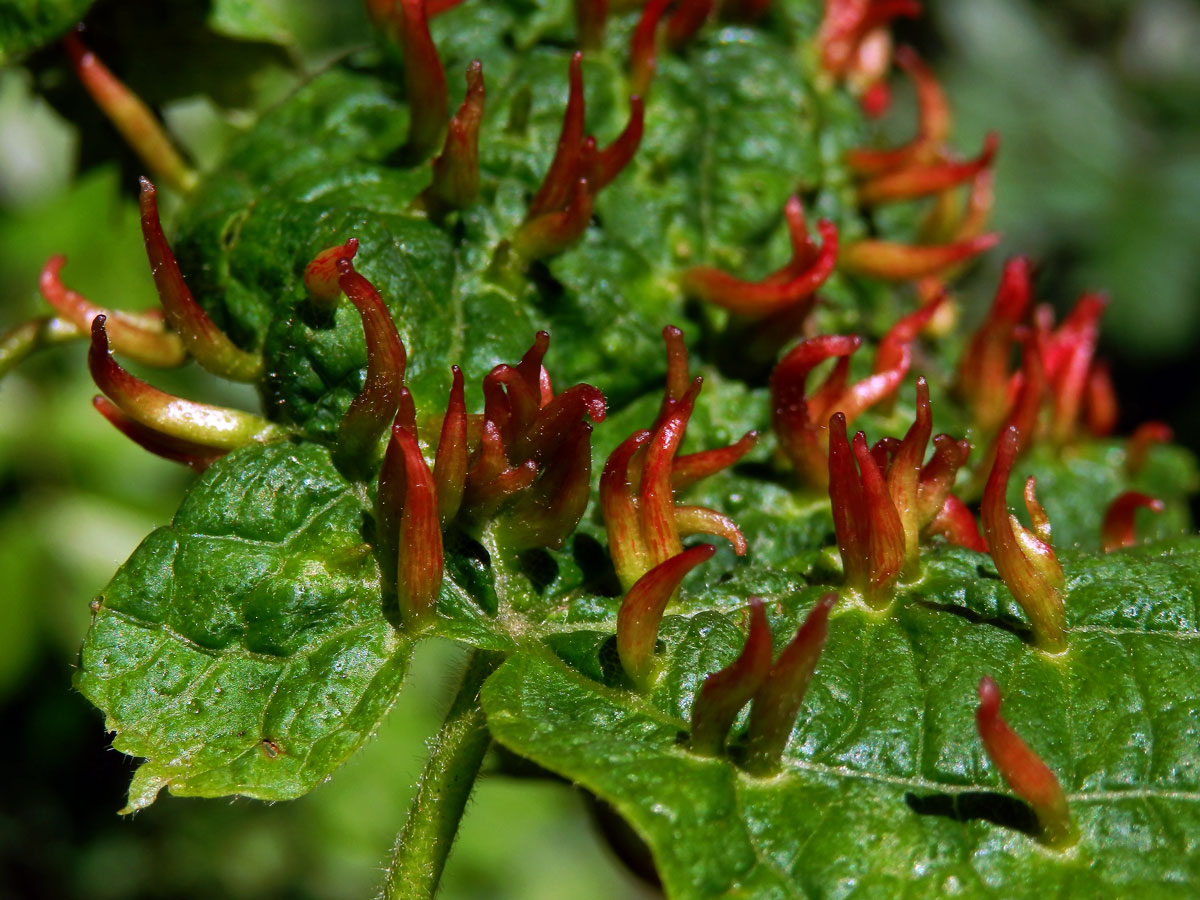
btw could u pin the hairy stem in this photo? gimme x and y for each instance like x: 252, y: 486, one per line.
x: 446, y: 784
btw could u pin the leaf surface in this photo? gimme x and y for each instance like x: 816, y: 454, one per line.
x: 243, y: 649
x: 885, y: 790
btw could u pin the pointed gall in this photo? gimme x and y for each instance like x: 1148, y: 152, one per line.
x: 937, y: 476
x: 637, y: 488
x: 657, y: 498
x: 724, y: 693
x: 424, y: 83
x: 132, y: 118
x: 619, y: 508
x: 884, y: 531
x: 547, y: 513
x: 531, y: 468
x: 889, y: 261
x: 777, y: 701
x: 140, y: 336
x: 1068, y: 354
x: 793, y: 284
x: 853, y: 39
x: 642, y: 610
x: 1100, y: 411
x: 1030, y: 391
x: 199, y: 423
x: 562, y: 206
x: 692, y: 520
x: 450, y: 463
x: 1025, y: 560
x: 643, y: 48
x: 1116, y: 531
x: 321, y: 274
x: 210, y: 346
x: 491, y: 480
x: 870, y: 536
x: 1023, y: 770
x: 456, y: 171
x: 983, y: 371
x: 894, y: 353
x: 921, y: 180
x: 799, y: 418
x: 678, y: 376
x: 197, y: 457
x: 409, y: 523
x: 552, y: 424
x: 563, y: 175
x: 688, y: 18
x: 955, y: 523
x: 602, y: 166
x: 1145, y: 436
x: 794, y: 419
x: 693, y: 467
x: 556, y: 231
x: 372, y: 411
x: 933, y: 124
x: 904, y: 478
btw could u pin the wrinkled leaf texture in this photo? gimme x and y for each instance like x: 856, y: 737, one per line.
x: 250, y: 647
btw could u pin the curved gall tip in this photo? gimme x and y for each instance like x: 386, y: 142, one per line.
x: 322, y: 272
x: 1023, y: 770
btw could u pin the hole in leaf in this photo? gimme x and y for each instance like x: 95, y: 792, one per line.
x: 270, y: 749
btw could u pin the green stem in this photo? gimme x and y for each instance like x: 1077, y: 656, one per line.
x: 44, y: 331
x: 446, y: 784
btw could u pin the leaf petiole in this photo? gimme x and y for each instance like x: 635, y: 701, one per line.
x: 422, y: 847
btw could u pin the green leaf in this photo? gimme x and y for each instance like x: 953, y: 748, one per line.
x: 264, y: 20
x: 243, y: 649
x: 314, y: 171
x: 885, y: 785
x: 1076, y: 485
x: 26, y: 25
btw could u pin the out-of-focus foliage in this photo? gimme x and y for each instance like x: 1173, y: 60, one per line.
x: 1098, y: 105
x: 27, y: 24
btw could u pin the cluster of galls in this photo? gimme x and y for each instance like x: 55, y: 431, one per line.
x: 887, y: 496
x: 521, y: 470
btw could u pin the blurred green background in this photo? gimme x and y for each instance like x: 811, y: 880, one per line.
x: 1098, y: 106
